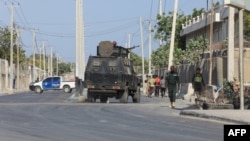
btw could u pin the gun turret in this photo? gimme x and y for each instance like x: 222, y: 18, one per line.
x: 108, y: 49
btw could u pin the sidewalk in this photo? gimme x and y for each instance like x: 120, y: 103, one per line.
x: 236, y: 116
x: 6, y: 92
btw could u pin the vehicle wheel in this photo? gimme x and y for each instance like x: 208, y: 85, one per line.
x: 137, y: 96
x: 90, y: 97
x: 67, y: 89
x: 124, y: 96
x: 38, y: 89
x: 103, y: 99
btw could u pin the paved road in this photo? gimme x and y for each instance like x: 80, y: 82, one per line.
x: 49, y: 117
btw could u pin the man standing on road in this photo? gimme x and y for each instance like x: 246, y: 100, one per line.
x: 147, y: 85
x: 151, y: 86
x: 172, y: 85
x: 198, y: 83
x: 163, y: 86
x: 157, y: 85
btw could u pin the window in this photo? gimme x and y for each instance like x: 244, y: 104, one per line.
x: 48, y: 79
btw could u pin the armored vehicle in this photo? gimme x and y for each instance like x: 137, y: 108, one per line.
x: 111, y: 74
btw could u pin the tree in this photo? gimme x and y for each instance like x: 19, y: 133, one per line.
x: 137, y: 61
x: 194, y: 50
x: 5, y: 47
x: 160, y: 56
x: 163, y: 31
x: 247, y: 25
x: 64, y: 68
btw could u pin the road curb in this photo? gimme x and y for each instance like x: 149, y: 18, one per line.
x: 199, y: 115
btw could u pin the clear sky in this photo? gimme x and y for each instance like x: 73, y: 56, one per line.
x: 54, y: 22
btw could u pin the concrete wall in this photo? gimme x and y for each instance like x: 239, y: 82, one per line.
x: 219, y: 68
x: 25, y: 76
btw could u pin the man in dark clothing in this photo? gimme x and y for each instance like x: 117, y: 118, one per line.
x: 173, y: 85
x: 198, y: 82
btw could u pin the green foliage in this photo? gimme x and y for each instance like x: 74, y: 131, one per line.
x: 5, y: 47
x: 164, y: 26
x: 63, y: 68
x: 137, y: 61
x: 247, y: 25
x: 178, y: 56
x: 194, y: 49
x: 160, y: 56
x: 191, y: 53
x: 228, y: 88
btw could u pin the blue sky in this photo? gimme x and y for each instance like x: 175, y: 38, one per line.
x: 114, y: 20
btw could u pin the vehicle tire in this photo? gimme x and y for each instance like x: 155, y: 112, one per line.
x: 103, y: 99
x: 124, y: 96
x: 137, y: 96
x: 90, y: 97
x: 67, y: 89
x: 38, y: 89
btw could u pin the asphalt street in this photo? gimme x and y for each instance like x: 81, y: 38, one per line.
x: 27, y: 116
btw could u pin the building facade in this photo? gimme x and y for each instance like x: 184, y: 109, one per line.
x: 200, y: 26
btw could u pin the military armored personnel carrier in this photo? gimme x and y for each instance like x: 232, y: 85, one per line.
x: 111, y: 74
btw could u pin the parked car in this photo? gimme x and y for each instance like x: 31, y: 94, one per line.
x: 52, y: 83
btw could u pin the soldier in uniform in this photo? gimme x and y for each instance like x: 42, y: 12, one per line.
x: 173, y: 84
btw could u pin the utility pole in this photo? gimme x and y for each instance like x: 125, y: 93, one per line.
x: 44, y: 67
x: 11, y: 46
x: 83, y: 43
x: 77, y: 40
x: 40, y: 62
x: 129, y: 45
x: 211, y: 43
x: 80, y: 53
x: 51, y: 61
x: 160, y: 13
x: 34, y: 59
x: 49, y: 73
x: 171, y: 51
x: 150, y: 49
x: 230, y: 54
x: 142, y: 53
x: 57, y: 60
x: 241, y: 46
x: 18, y: 50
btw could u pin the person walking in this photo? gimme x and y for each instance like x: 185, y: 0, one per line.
x: 157, y: 85
x: 151, y: 86
x: 37, y: 79
x: 147, y: 85
x: 14, y: 83
x: 173, y: 85
x: 198, y: 83
x: 163, y: 86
